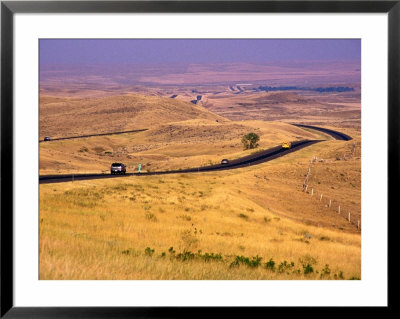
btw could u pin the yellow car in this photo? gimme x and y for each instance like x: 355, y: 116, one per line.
x: 286, y: 144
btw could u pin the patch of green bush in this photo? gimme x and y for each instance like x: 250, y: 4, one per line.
x: 284, y: 266
x: 149, y: 252
x: 325, y: 272
x: 270, y: 265
x: 308, y: 269
x: 254, y: 262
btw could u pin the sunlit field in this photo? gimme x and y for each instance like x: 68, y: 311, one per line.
x: 249, y: 223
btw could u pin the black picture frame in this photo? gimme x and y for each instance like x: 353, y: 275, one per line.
x: 9, y: 8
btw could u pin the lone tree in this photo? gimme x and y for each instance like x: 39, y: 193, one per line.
x: 250, y: 141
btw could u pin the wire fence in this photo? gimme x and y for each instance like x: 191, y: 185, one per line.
x: 353, y: 217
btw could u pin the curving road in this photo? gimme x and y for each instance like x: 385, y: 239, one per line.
x: 336, y: 135
x: 253, y: 159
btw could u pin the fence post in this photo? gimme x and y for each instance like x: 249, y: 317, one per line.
x: 339, y: 209
x: 320, y: 198
x: 349, y: 217
x: 352, y: 150
x: 312, y: 191
x: 305, y: 184
x: 330, y: 203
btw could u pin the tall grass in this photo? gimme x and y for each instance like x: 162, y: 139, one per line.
x: 96, y: 230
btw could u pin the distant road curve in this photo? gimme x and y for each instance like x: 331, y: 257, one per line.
x: 335, y: 134
x: 91, y: 135
x: 253, y: 159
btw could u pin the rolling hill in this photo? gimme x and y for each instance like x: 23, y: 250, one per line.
x: 63, y: 117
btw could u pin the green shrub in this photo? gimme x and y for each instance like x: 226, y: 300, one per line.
x: 148, y: 251
x: 308, y: 269
x: 270, y: 265
x: 325, y: 271
x: 254, y: 262
x: 207, y: 257
x: 285, y: 266
x: 185, y: 255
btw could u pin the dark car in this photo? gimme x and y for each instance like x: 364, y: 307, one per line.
x: 47, y: 138
x: 225, y: 161
x: 118, y: 168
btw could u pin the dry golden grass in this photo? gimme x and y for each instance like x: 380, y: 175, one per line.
x: 100, y: 229
x: 176, y: 145
x: 64, y: 117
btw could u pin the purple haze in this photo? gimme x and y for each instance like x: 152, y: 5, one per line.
x: 154, y: 51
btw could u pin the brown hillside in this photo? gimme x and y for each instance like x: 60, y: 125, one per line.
x: 61, y: 117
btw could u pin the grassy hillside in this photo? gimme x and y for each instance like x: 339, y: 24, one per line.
x: 174, y: 145
x: 62, y: 117
x: 249, y: 223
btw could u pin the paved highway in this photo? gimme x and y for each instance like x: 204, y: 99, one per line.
x: 253, y: 159
x: 336, y: 135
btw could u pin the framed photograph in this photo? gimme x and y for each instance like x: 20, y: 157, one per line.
x: 162, y: 155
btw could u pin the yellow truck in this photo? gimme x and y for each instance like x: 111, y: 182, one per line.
x: 286, y: 144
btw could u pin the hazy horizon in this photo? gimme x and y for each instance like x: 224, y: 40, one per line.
x: 196, y: 51
x: 198, y: 61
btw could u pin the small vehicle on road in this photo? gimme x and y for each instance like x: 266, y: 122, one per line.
x: 47, y: 138
x: 286, y: 145
x: 225, y: 161
x: 118, y: 168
